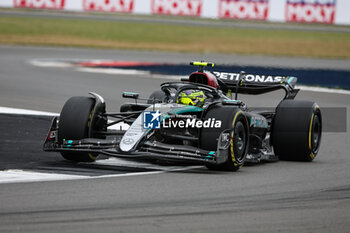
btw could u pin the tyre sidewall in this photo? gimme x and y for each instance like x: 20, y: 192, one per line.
x: 230, y: 117
x: 292, y: 130
x: 75, y: 121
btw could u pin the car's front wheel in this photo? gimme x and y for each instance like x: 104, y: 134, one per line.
x: 157, y: 96
x: 234, y: 121
x: 74, y: 124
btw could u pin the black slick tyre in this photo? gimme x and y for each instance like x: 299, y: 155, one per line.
x: 74, y: 123
x: 234, y: 120
x: 297, y: 130
x: 159, y: 96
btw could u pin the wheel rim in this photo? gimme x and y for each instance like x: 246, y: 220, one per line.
x: 240, y: 141
x: 316, y: 134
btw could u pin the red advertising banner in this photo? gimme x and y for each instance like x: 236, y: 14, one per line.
x: 41, y: 4
x: 125, y: 6
x: 310, y: 11
x: 177, y: 7
x: 244, y: 9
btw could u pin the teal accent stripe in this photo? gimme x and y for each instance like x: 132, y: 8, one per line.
x: 186, y: 109
x: 290, y: 80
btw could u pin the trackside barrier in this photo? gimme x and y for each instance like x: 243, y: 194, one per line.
x: 302, y: 11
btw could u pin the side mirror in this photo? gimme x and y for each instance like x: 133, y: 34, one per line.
x: 131, y: 95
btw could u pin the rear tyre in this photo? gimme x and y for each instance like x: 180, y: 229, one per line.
x: 74, y: 124
x: 157, y: 95
x: 234, y: 120
x: 297, y: 130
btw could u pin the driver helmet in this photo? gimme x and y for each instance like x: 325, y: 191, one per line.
x: 191, y: 97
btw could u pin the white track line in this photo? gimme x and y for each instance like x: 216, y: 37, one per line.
x: 324, y: 90
x: 48, y: 63
x: 138, y: 164
x: 8, y: 110
x: 20, y: 176
x: 19, y: 111
x: 113, y: 71
x: 116, y: 71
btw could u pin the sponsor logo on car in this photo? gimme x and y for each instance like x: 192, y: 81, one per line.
x: 249, y: 77
x: 126, y: 6
x: 315, y: 11
x: 177, y: 7
x: 244, y: 9
x: 128, y: 141
x: 42, y: 4
x: 258, y: 122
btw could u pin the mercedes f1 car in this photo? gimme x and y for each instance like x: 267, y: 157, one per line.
x: 198, y: 120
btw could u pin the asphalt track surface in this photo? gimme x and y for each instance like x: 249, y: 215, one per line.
x: 270, y: 197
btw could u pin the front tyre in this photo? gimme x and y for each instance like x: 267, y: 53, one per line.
x: 297, y: 130
x: 158, y: 96
x: 75, y: 121
x: 234, y: 120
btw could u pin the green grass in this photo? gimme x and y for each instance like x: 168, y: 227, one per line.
x: 147, y: 36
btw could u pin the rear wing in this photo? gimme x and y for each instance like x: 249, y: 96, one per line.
x: 243, y: 83
x: 256, y: 84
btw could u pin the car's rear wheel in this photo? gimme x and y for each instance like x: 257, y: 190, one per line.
x: 75, y: 121
x: 297, y: 130
x: 233, y: 120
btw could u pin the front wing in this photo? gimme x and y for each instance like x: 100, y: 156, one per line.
x: 146, y: 150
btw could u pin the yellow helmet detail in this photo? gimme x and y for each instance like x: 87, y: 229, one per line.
x: 191, y: 97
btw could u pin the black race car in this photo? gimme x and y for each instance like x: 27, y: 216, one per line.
x: 221, y: 133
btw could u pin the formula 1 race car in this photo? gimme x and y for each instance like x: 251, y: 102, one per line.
x: 194, y: 121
